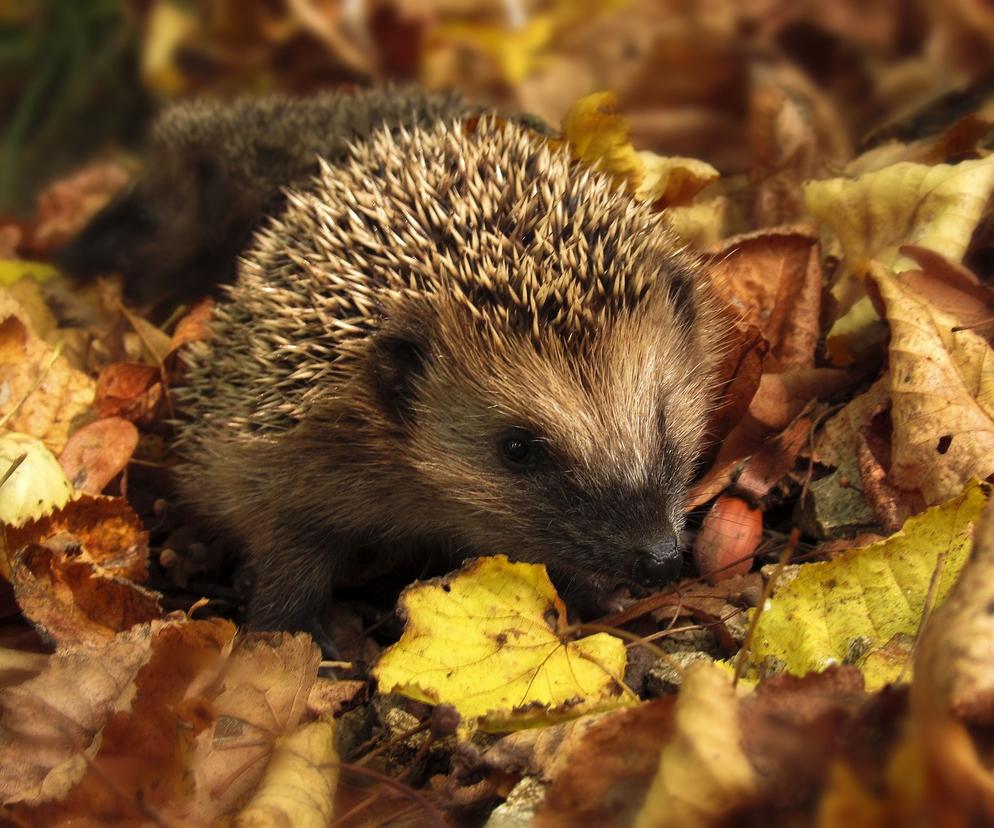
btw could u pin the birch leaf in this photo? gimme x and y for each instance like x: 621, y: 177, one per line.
x: 489, y: 640
x: 867, y: 595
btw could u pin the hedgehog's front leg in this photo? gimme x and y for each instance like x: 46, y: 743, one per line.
x: 294, y: 564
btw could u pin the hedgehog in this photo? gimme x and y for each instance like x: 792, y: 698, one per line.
x: 456, y: 340
x: 213, y: 171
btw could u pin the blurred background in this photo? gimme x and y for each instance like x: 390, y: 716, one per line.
x: 704, y: 79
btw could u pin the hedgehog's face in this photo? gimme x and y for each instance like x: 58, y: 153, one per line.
x: 578, y: 457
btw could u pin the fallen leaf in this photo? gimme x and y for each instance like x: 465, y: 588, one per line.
x: 773, y: 279
x: 857, y: 602
x: 194, y: 327
x: 40, y: 392
x: 604, y: 774
x: 942, y: 396
x: 65, y: 708
x: 106, y: 527
x: 68, y: 204
x: 597, y: 135
x: 951, y: 289
x: 13, y: 270
x: 35, y: 487
x: 72, y: 600
x: 129, y: 389
x: 98, y: 453
x: 489, y: 641
x: 258, y: 696
x: 936, y: 207
x: 703, y: 773
x: 299, y: 784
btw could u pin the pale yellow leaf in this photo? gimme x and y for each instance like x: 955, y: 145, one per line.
x: 299, y: 785
x: 36, y: 486
x: 704, y: 773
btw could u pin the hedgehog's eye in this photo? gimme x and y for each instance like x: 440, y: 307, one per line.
x: 520, y: 450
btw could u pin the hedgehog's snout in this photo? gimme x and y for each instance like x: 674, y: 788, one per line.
x: 657, y: 559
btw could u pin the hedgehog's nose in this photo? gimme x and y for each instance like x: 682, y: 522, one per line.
x: 657, y: 560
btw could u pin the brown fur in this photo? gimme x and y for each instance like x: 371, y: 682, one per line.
x: 378, y: 434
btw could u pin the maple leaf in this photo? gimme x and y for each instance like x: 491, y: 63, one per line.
x: 488, y: 640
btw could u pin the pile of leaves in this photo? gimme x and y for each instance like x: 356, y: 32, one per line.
x: 831, y: 660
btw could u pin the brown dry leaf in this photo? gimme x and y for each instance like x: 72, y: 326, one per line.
x: 72, y: 600
x: 951, y: 289
x: 64, y: 709
x: 129, y: 389
x: 300, y: 782
x: 838, y: 441
x: 105, y: 527
x: 194, y: 327
x: 703, y: 772
x: 144, y: 747
x: 672, y: 181
x: 155, y: 342
x: 942, y: 396
x: 604, y: 773
x: 773, y: 279
x: 98, y: 453
x: 329, y: 697
x: 40, y: 392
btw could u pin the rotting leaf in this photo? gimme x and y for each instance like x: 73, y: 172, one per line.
x: 869, y: 594
x: 489, y: 641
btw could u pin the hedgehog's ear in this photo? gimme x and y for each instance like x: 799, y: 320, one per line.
x: 398, y: 359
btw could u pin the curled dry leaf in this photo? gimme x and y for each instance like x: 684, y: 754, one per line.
x: 194, y: 327
x: 599, y: 136
x: 72, y: 600
x: 942, y: 396
x: 299, y: 784
x: 105, y: 527
x: 860, y: 600
x: 34, y: 488
x: 40, y: 392
x: 936, y: 207
x: 703, y: 772
x: 98, y: 453
x: 489, y: 641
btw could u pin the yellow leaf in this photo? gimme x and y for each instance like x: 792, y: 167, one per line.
x: 936, y: 207
x: 12, y: 270
x: 703, y: 773
x: 942, y: 396
x: 867, y: 595
x: 36, y: 487
x: 672, y: 180
x: 300, y: 782
x: 599, y: 136
x: 488, y: 640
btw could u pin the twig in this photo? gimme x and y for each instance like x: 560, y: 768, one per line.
x: 788, y: 552
x: 13, y: 467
